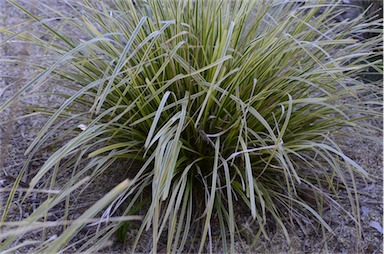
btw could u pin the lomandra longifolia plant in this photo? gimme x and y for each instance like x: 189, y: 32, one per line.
x: 205, y: 112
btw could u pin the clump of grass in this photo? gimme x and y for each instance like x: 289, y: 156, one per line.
x: 205, y: 106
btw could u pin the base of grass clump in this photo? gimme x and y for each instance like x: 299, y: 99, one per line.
x: 205, y: 110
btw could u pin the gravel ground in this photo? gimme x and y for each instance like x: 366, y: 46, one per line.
x: 16, y: 135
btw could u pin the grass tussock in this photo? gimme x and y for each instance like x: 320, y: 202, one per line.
x: 205, y: 110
